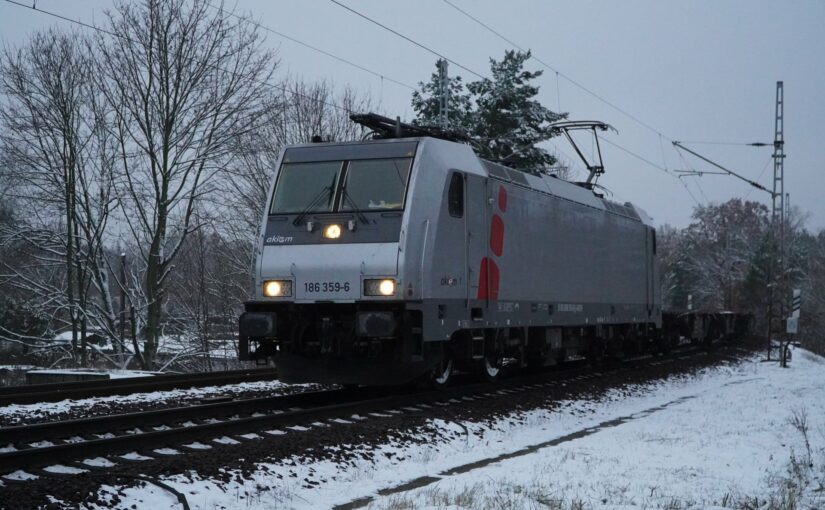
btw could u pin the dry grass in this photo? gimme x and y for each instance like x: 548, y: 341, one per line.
x: 488, y: 496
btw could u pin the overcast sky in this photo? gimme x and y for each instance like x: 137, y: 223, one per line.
x: 692, y: 71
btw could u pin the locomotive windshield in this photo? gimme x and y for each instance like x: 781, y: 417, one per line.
x: 306, y: 187
x: 368, y: 185
x: 376, y: 184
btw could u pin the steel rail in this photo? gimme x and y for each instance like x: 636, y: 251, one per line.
x: 175, y: 437
x: 271, y: 412
x: 53, y: 392
x: 258, y: 415
x: 56, y: 430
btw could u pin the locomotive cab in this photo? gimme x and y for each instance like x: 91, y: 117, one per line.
x: 334, y: 302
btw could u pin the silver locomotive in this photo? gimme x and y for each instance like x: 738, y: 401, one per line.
x: 389, y: 260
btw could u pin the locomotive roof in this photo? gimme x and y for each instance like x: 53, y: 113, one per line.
x: 564, y: 189
x: 400, y: 147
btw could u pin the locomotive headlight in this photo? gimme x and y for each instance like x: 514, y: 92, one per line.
x: 383, y: 287
x: 277, y: 288
x: 332, y: 232
x: 386, y: 287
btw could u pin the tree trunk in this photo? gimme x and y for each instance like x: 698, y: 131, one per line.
x: 154, y: 290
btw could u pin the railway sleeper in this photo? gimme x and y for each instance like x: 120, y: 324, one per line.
x: 178, y: 438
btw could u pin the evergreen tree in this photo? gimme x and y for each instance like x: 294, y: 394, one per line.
x: 501, y: 114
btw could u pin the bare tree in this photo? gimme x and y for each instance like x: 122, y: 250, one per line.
x: 721, y: 250
x: 671, y: 267
x: 185, y: 81
x: 316, y: 109
x: 55, y: 149
x: 809, y: 258
x: 204, y: 296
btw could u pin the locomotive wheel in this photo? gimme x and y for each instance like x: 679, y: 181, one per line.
x: 442, y: 373
x: 490, y: 368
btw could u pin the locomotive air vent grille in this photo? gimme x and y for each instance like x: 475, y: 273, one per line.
x: 517, y: 176
x: 631, y: 211
x: 495, y: 170
x: 623, y: 210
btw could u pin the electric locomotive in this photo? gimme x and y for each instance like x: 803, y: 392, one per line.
x: 408, y: 256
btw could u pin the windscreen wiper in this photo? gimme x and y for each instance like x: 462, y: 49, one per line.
x: 311, y: 205
x: 360, y: 215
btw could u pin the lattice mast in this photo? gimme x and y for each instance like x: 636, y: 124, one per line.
x: 777, y: 261
x: 443, y: 95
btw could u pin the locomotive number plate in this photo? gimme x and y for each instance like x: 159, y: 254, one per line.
x: 313, y: 287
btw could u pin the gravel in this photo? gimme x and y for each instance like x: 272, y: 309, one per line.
x: 13, y: 415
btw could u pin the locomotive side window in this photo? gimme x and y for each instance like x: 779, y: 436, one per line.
x: 306, y: 187
x: 455, y: 196
x: 375, y: 184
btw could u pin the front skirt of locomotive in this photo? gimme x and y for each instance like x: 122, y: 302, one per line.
x: 337, y: 343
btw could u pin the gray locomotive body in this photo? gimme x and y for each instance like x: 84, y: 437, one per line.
x: 383, y: 261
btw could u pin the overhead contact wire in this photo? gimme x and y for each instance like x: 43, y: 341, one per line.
x: 577, y: 84
x: 314, y: 48
x: 640, y: 158
x: 119, y: 36
x: 558, y: 73
x: 408, y: 39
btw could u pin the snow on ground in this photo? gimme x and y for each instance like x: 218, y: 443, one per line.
x: 18, y: 367
x: 113, y: 374
x: 126, y: 374
x: 716, y: 439
x: 21, y: 412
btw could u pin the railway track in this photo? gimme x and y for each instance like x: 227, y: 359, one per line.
x: 69, y: 440
x: 53, y: 392
x: 175, y: 431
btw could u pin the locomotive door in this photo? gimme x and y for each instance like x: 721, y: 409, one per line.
x: 476, y: 238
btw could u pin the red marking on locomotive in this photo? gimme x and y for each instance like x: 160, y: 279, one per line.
x: 502, y: 199
x: 488, y: 277
x: 497, y: 235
